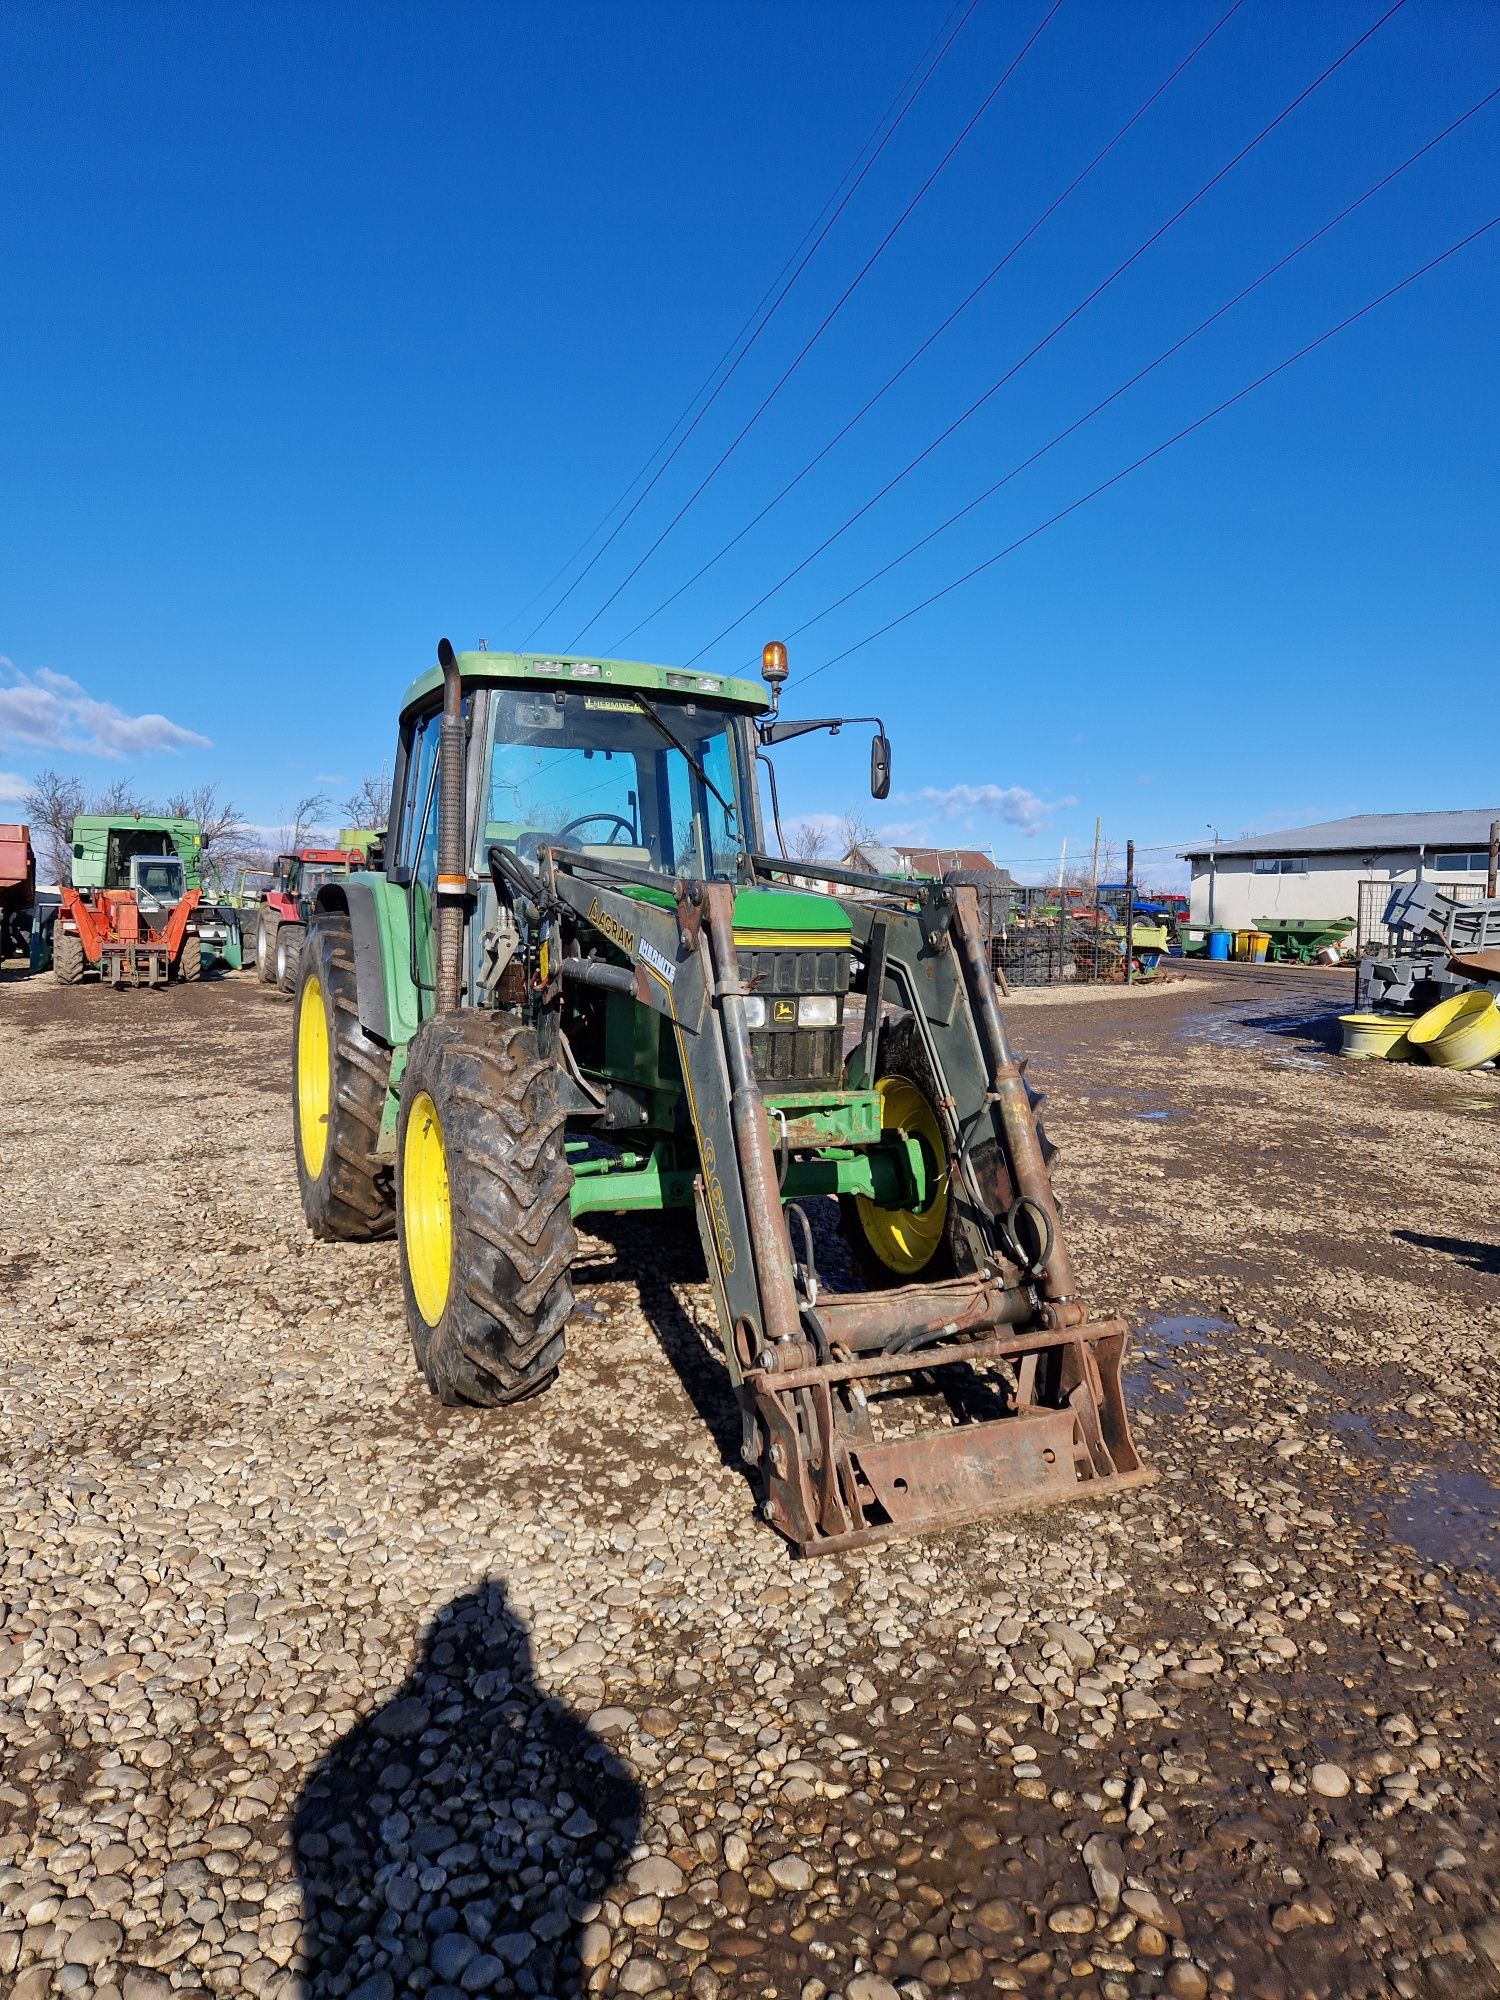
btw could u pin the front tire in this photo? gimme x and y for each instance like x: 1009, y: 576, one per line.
x: 265, y: 948
x: 288, y: 952
x: 67, y: 958
x: 486, y: 1237
x: 190, y: 959
x: 894, y: 1246
x: 340, y: 1080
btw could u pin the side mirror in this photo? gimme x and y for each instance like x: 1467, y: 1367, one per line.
x: 880, y: 765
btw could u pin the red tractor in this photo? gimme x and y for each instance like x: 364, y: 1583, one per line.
x: 282, y: 922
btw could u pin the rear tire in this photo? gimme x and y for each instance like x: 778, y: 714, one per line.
x: 265, y: 948
x: 190, y: 959
x: 486, y: 1237
x: 350, y: 1197
x: 67, y: 958
x: 288, y: 953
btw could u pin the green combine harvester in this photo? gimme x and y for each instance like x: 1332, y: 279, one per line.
x: 578, y: 983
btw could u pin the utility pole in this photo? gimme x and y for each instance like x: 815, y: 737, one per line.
x: 1494, y: 887
x: 1094, y: 869
x: 1063, y: 919
x: 1129, y: 912
x: 1213, y: 871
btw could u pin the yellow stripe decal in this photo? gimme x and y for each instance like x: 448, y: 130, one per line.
x: 811, y: 940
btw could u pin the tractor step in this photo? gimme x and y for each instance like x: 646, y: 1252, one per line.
x: 1029, y: 1417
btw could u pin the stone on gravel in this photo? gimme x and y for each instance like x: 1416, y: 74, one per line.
x: 1329, y: 1781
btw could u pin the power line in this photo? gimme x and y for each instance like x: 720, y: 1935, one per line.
x: 1156, y: 452
x: 1046, y: 340
x: 803, y: 260
x: 744, y: 328
x: 823, y: 325
x: 939, y: 330
x: 1141, y: 373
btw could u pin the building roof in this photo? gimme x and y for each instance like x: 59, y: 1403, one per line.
x: 941, y: 860
x: 1364, y: 833
x: 874, y: 857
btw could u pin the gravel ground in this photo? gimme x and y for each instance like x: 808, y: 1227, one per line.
x: 308, y: 1685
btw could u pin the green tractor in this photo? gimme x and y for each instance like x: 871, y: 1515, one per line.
x: 577, y: 983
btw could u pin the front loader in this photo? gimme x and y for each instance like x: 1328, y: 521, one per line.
x: 129, y: 915
x: 578, y: 983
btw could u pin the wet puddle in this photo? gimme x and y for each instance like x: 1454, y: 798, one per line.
x: 1238, y: 1032
x: 1160, y: 1117
x: 1161, y: 1336
x: 1443, y: 1514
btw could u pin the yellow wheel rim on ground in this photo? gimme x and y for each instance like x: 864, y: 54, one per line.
x: 426, y: 1218
x: 905, y: 1239
x: 314, y: 1077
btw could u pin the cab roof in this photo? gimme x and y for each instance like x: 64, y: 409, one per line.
x: 571, y: 669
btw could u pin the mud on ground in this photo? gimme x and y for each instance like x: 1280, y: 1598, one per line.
x: 309, y: 1685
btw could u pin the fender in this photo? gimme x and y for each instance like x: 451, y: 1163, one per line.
x: 377, y: 912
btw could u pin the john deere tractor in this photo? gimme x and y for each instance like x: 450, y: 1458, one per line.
x: 578, y: 983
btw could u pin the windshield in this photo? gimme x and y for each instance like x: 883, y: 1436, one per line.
x: 590, y: 770
x: 314, y: 875
x: 157, y: 878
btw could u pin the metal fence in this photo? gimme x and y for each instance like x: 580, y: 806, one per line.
x: 1371, y: 933
x: 1046, y: 947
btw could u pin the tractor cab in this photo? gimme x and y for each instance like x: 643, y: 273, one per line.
x: 158, y: 883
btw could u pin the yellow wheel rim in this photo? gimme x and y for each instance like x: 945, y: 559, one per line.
x: 314, y: 1077
x: 906, y: 1239
x: 426, y: 1219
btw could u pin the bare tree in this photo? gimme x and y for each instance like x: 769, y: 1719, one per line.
x: 223, y: 828
x: 857, y: 831
x: 808, y: 841
x: 305, y: 821
x: 370, y: 804
x: 120, y: 799
x: 51, y: 806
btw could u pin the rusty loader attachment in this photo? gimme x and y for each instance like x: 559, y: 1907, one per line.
x: 921, y: 1405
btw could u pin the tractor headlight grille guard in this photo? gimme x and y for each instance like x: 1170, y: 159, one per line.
x: 794, y: 1010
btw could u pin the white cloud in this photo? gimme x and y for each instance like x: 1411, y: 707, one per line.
x: 12, y: 786
x: 48, y: 711
x: 1012, y: 804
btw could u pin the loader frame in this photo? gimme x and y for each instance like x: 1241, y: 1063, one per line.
x: 805, y: 1362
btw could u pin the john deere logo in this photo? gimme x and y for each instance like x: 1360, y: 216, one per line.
x: 783, y: 1010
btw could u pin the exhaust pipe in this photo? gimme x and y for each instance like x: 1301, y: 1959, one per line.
x: 452, y: 873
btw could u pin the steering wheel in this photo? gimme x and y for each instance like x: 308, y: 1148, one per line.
x: 621, y: 824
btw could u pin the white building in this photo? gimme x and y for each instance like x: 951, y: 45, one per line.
x: 1315, y: 871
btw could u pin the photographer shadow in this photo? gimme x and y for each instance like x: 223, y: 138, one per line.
x: 471, y: 1817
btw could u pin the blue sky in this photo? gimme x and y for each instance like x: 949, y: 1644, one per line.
x: 325, y: 330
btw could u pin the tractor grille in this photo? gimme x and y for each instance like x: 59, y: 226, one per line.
x: 784, y: 1052
x: 796, y: 1055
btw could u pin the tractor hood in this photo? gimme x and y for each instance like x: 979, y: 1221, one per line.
x: 771, y: 916
x: 788, y: 916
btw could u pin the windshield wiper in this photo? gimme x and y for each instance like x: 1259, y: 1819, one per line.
x: 635, y: 695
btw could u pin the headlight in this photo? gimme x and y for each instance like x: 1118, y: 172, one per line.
x: 755, y: 1011
x: 818, y: 1010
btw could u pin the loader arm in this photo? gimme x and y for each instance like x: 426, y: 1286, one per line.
x: 90, y: 935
